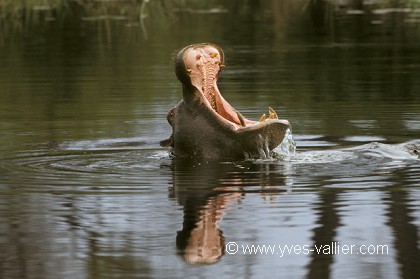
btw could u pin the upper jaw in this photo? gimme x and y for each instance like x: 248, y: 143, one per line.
x: 203, y: 63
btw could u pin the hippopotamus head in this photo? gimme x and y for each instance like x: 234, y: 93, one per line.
x: 204, y: 124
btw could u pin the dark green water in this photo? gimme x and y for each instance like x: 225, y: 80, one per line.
x: 87, y: 192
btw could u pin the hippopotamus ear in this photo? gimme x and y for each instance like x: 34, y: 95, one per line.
x: 168, y: 142
x: 180, y: 69
x: 170, y: 117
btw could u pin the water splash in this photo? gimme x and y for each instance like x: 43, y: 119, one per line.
x: 287, y: 148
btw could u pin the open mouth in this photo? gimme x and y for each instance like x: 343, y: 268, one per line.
x: 204, y: 124
x: 203, y: 65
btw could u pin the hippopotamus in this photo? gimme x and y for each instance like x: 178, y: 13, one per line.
x: 204, y: 124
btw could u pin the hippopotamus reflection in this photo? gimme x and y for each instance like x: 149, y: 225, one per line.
x: 204, y: 124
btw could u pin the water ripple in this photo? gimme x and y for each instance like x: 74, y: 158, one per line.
x: 88, y: 169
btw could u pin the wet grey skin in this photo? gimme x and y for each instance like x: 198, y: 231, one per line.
x: 204, y: 124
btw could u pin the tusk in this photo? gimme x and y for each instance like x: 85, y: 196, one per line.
x: 241, y: 119
x: 213, y: 54
x: 273, y: 114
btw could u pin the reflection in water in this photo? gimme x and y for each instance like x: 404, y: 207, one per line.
x: 200, y: 240
x: 400, y: 215
x: 206, y: 190
x: 324, y: 234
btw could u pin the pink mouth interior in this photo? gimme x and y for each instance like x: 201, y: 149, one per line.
x: 203, y: 66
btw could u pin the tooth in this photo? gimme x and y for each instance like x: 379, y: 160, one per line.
x: 189, y: 71
x: 213, y: 54
x: 241, y: 119
x: 263, y: 117
x: 273, y: 114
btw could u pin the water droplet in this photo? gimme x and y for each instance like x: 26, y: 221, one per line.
x: 288, y: 145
